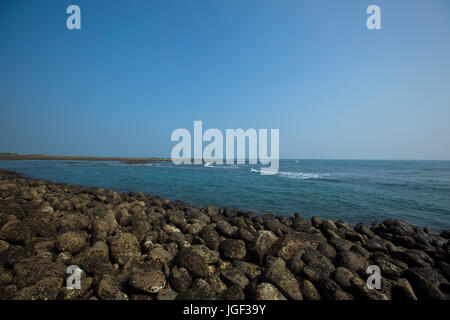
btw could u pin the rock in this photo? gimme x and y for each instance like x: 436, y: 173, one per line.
x: 445, y: 234
x: 193, y: 262
x: 388, y: 269
x: 423, y: 288
x: 360, y: 287
x: 284, y: 280
x: 233, y: 276
x: 249, y: 269
x: 179, y: 279
x: 72, y: 242
x: 76, y: 294
x: 3, y: 245
x: 331, y: 290
x: 108, y: 287
x: 200, y: 290
x: 233, y: 249
x: 403, y: 290
x: 316, y: 222
x: 296, y: 264
x: 158, y: 253
x: 194, y: 228
x: 352, y: 261
x: 398, y: 227
x: 291, y: 243
x: 234, y: 292
x: 104, y: 224
x: 210, y: 256
x: 31, y: 270
x: 318, y: 266
x: 245, y: 234
x: 431, y: 274
x: 264, y: 241
x: 46, y: 289
x: 211, y: 237
x: 94, y: 260
x: 267, y: 291
x: 413, y: 257
x: 327, y: 250
x: 309, y: 291
x: 225, y: 228
x: 123, y: 247
x: 342, y: 276
x: 167, y: 294
x: 149, y: 282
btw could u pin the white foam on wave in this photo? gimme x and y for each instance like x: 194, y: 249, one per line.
x: 296, y: 175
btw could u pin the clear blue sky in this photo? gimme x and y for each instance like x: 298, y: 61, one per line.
x: 139, y: 69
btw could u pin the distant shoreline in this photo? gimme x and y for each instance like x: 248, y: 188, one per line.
x: 80, y: 158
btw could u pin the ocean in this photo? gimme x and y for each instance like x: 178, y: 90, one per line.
x: 349, y: 190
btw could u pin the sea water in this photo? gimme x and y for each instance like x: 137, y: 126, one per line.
x: 350, y: 190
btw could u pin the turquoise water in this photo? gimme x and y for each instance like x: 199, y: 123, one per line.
x: 350, y: 190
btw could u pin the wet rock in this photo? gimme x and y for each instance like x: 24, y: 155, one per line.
x: 267, y: 291
x: 123, y: 247
x: 233, y: 249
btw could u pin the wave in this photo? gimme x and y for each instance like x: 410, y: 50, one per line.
x: 295, y: 175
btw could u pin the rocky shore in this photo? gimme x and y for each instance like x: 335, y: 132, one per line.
x: 137, y: 246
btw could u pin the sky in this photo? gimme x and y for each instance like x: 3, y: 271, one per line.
x: 137, y: 70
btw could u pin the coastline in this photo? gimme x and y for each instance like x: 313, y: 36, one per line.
x: 80, y: 158
x: 137, y: 246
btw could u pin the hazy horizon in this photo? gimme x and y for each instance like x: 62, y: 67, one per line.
x: 137, y: 71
